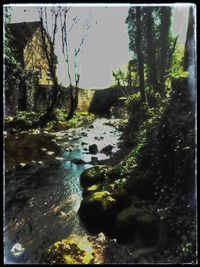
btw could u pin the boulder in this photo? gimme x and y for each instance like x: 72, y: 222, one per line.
x: 84, y: 143
x: 139, y: 219
x: 94, y: 160
x: 92, y: 176
x: 69, y: 251
x: 98, y: 207
x: 93, y: 149
x: 77, y: 161
x: 107, y: 150
x: 132, y: 216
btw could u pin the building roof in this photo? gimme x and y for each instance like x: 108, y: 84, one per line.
x: 22, y: 33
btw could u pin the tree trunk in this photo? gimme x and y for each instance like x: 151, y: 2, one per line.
x: 151, y: 50
x: 138, y: 43
x: 164, y: 46
x: 73, y: 101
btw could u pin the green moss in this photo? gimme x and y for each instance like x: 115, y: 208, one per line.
x: 98, y: 206
x: 93, y: 188
x: 104, y: 198
x: 93, y: 175
x: 70, y: 251
x: 90, y: 190
x: 69, y: 259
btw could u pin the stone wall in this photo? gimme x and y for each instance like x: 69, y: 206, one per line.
x: 85, y: 97
x: 99, y: 101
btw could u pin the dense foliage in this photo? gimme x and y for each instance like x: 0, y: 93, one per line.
x: 12, y: 69
x: 152, y: 45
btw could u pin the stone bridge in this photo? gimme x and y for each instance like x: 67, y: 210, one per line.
x: 99, y: 101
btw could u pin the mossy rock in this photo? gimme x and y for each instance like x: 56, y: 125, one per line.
x: 140, y: 218
x: 93, y: 175
x: 60, y: 126
x: 69, y: 251
x: 98, y: 206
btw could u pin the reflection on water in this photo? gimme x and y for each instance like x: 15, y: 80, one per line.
x: 41, y: 204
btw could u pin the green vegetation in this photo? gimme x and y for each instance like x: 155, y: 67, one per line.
x: 160, y: 170
x: 29, y: 120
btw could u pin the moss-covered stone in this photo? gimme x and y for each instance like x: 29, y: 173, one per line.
x: 93, y: 175
x: 70, y: 251
x: 140, y: 218
x: 98, y: 206
x: 60, y: 126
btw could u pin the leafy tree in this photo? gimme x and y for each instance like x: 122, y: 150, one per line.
x: 126, y: 79
x: 152, y: 44
x: 136, y: 28
x: 167, y: 46
x: 151, y: 34
x: 13, y: 73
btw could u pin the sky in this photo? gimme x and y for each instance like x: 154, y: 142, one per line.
x: 106, y: 46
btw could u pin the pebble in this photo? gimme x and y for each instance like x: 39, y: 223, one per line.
x: 17, y: 250
x: 59, y: 158
x: 50, y: 152
x: 22, y: 164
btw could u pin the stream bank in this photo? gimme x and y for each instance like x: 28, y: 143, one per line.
x: 42, y: 185
x: 158, y: 181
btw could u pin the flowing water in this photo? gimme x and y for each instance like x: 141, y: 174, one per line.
x: 42, y: 197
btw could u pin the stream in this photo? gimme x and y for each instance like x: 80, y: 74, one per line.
x: 42, y: 185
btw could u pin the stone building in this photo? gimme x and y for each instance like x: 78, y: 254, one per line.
x: 28, y: 46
